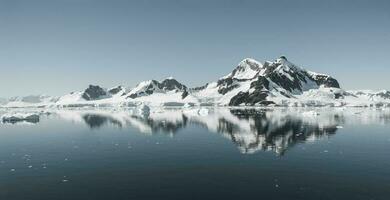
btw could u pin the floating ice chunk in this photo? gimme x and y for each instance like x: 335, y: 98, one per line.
x: 339, y: 127
x: 187, y: 105
x: 203, y: 112
x: 20, y: 117
x: 310, y: 113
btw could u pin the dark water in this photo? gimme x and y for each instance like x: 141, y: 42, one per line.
x: 173, y: 154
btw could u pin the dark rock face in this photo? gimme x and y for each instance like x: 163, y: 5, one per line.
x: 133, y: 96
x: 326, y: 81
x: 250, y: 99
x: 94, y: 92
x: 239, y: 99
x: 195, y: 89
x: 155, y: 86
x: 260, y: 86
x: 292, y: 78
x: 385, y: 94
x: 281, y: 76
x: 172, y: 84
x: 184, y: 95
x: 261, y: 83
x: 286, y: 83
x: 226, y: 85
x: 115, y: 90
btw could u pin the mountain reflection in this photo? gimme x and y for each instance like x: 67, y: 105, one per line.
x: 251, y: 130
x: 268, y: 133
x: 97, y: 121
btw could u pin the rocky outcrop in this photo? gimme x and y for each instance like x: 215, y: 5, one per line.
x: 94, y: 92
x: 115, y: 90
x: 172, y: 84
x: 149, y: 87
x: 259, y: 95
x: 383, y: 94
x: 326, y: 81
x: 226, y: 85
x: 184, y: 94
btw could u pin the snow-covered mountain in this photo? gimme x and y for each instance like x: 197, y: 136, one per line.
x: 253, y: 83
x: 27, y: 101
x: 250, y: 83
x: 152, y: 87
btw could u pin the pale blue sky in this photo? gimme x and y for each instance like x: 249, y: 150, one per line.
x: 58, y: 46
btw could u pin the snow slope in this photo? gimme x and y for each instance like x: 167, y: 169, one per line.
x: 250, y: 83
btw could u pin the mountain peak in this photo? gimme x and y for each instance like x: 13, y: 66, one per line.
x: 172, y: 84
x: 283, y: 57
x: 117, y: 90
x: 149, y: 87
x: 94, y: 92
x: 246, y: 69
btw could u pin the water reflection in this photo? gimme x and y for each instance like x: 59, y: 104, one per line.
x: 251, y: 130
x: 95, y: 121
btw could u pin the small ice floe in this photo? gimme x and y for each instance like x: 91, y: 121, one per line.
x: 311, y: 113
x: 203, y: 112
x: 12, y: 170
x: 325, y: 151
x: 65, y: 180
x: 30, y: 166
x: 20, y: 117
x: 339, y: 127
x: 188, y: 105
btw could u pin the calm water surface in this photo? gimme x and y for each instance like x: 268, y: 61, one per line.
x: 192, y: 154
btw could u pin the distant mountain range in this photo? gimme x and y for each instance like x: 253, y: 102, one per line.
x: 251, y: 83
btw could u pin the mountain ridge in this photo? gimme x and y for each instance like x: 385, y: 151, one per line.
x: 250, y: 83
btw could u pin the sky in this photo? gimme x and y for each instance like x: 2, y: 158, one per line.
x: 57, y: 46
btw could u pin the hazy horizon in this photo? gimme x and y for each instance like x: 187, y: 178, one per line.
x: 56, y: 47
